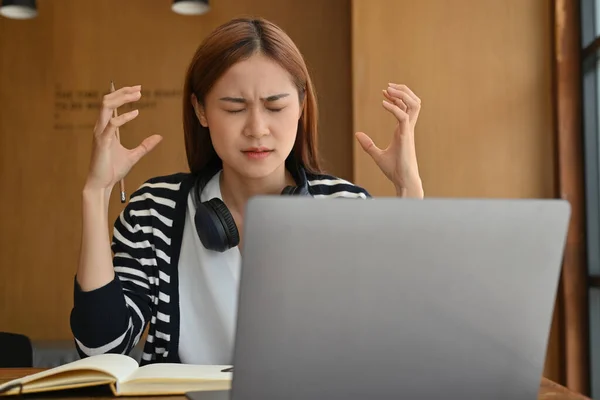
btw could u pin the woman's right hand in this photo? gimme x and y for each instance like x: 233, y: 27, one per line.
x: 110, y: 160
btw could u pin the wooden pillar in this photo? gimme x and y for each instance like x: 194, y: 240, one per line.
x: 568, y: 95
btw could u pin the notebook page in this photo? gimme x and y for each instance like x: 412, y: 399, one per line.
x: 166, y: 372
x: 117, y: 365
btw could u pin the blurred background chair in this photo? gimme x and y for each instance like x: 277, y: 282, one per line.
x: 15, y: 351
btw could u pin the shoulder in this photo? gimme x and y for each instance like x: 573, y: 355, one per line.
x: 172, y: 183
x: 161, y: 194
x: 166, y: 186
x: 329, y: 186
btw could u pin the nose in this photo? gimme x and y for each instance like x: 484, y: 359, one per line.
x: 256, y: 126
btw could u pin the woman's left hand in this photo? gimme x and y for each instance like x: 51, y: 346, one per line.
x: 399, y: 160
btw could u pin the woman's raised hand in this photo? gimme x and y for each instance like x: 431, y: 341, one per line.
x: 111, y: 161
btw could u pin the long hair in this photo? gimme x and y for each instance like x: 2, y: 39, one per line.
x: 230, y: 43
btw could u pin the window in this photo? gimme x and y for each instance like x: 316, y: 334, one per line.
x: 590, y: 42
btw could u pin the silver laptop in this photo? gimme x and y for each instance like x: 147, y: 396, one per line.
x: 394, y: 298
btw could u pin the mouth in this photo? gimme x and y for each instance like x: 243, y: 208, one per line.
x: 257, y: 152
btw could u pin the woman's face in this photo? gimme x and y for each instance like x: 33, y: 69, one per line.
x: 252, y: 113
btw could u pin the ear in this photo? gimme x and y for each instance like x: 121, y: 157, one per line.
x: 199, y: 110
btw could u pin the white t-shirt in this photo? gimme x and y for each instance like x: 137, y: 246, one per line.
x: 208, y: 290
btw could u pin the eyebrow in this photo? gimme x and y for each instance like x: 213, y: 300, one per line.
x: 267, y: 99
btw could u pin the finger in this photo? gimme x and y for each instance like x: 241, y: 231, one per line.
x: 121, y: 96
x: 407, y: 90
x: 144, y: 148
x: 114, y: 100
x: 405, y: 97
x: 368, y: 145
x: 412, y: 107
x: 400, y: 103
x: 116, y: 122
x: 400, y: 115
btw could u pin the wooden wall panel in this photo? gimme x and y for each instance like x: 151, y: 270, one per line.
x: 52, y: 71
x: 483, y: 71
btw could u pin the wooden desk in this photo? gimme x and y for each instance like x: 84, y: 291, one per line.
x: 548, y: 389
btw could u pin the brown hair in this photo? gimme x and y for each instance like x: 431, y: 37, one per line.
x: 230, y: 43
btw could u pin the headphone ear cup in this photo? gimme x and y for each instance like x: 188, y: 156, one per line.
x: 215, y: 226
x: 233, y: 236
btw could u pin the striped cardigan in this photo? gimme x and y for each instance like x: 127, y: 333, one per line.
x: 146, y: 243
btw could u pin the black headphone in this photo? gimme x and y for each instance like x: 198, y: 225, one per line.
x: 214, y: 223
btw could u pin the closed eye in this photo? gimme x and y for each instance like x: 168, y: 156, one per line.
x: 239, y: 111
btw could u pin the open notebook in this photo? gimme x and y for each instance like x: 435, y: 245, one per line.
x: 125, y: 377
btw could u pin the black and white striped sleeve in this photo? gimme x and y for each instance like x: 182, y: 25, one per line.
x: 111, y: 319
x: 331, y: 187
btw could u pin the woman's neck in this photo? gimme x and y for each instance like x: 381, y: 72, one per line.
x: 237, y: 189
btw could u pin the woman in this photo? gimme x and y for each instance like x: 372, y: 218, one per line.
x: 250, y: 119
